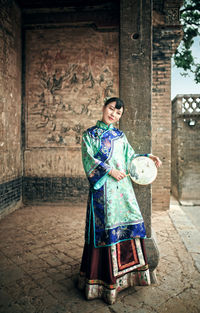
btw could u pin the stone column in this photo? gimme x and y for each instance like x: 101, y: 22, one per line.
x: 135, y: 90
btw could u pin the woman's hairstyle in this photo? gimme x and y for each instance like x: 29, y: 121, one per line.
x: 119, y: 103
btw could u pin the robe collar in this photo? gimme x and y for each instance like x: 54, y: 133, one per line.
x: 102, y: 125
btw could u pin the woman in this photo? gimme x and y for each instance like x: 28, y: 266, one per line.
x: 114, y: 254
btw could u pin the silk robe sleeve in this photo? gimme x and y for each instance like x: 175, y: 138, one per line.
x: 130, y: 153
x: 96, y: 170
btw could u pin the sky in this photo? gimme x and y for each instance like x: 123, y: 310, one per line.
x: 181, y: 84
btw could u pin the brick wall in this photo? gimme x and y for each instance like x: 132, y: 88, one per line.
x: 185, y: 148
x: 161, y: 130
x: 166, y: 37
x: 10, y: 105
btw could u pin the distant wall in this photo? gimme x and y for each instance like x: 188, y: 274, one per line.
x: 185, y: 148
x: 10, y: 106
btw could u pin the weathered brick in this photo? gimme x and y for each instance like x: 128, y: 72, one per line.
x: 10, y: 193
x: 10, y: 107
x: 185, y: 148
x: 10, y: 91
x: 164, y: 47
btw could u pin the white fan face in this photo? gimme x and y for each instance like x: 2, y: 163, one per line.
x: 143, y: 170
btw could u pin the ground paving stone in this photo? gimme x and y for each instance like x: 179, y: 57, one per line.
x: 103, y: 310
x: 10, y: 274
x: 40, y: 254
x: 55, y: 308
x: 188, y: 228
x: 121, y: 308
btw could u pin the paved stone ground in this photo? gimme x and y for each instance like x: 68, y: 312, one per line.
x: 186, y: 220
x: 40, y: 253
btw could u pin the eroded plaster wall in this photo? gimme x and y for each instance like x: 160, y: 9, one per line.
x: 69, y: 71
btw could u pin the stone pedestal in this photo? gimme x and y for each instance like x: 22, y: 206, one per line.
x: 135, y: 90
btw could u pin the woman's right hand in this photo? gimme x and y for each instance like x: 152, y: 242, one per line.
x: 118, y: 175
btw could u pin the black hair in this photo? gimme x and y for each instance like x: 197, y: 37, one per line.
x: 119, y: 103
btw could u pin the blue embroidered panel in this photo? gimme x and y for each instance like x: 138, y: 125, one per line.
x: 105, y: 237
x: 104, y: 153
x: 98, y: 173
x: 97, y: 202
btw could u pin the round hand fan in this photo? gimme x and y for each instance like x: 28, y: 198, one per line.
x: 142, y: 170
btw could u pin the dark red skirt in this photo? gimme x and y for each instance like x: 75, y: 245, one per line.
x: 106, y: 271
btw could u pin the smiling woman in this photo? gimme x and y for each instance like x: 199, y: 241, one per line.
x: 114, y: 254
x: 112, y: 110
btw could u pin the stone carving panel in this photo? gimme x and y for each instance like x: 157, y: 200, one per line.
x: 69, y: 72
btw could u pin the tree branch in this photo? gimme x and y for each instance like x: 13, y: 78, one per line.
x: 190, y: 8
x: 193, y: 23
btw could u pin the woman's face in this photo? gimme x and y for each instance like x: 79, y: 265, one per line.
x: 111, y: 114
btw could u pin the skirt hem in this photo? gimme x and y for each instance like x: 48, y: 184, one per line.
x: 95, y: 289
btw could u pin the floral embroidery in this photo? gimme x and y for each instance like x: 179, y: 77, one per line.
x: 114, y: 208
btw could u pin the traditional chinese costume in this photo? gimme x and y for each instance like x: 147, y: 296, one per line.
x: 114, y: 254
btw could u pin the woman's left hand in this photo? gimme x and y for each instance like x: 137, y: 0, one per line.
x: 156, y: 160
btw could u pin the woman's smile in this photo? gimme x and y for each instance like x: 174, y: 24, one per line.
x: 111, y: 114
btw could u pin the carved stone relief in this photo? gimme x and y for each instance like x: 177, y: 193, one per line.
x: 69, y: 72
